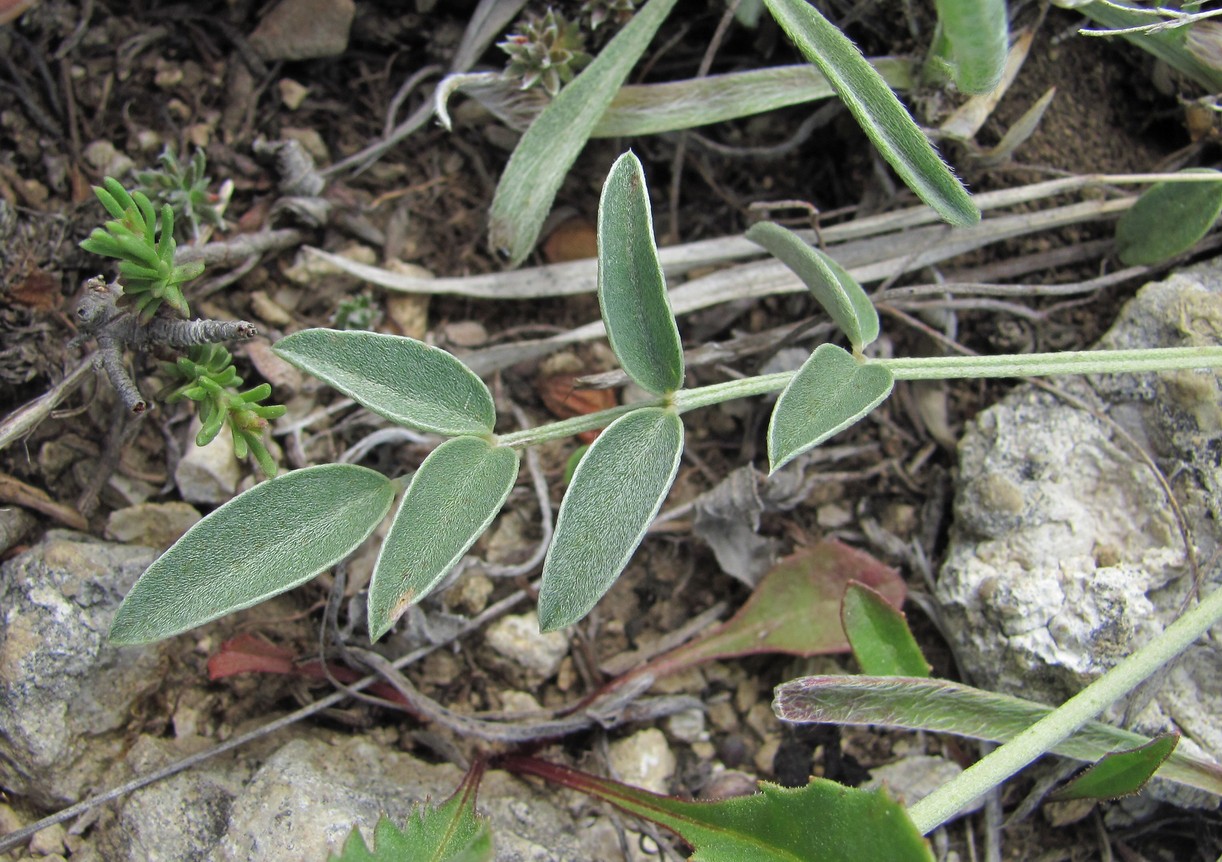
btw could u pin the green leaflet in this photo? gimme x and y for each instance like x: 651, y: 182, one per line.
x: 830, y: 392
x: 406, y: 381
x: 452, y: 499
x: 450, y: 832
x: 1121, y: 773
x: 631, y: 287
x: 833, y: 288
x: 948, y: 707
x: 876, y: 109
x: 274, y: 537
x: 976, y: 34
x: 879, y: 635
x: 1167, y: 219
x: 550, y: 146
x: 616, y: 490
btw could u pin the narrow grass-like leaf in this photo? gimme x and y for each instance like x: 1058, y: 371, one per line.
x: 451, y: 500
x: 879, y: 635
x: 616, y: 490
x: 631, y: 287
x: 976, y: 34
x: 838, y: 292
x: 876, y: 109
x: 822, y: 821
x: 830, y: 392
x: 1121, y: 773
x: 1167, y: 219
x: 651, y: 109
x: 277, y: 535
x: 451, y: 832
x: 407, y: 381
x: 948, y: 707
x: 550, y: 146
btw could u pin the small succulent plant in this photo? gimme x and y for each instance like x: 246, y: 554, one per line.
x: 183, y: 188
x: 206, y: 375
x: 144, y: 247
x: 547, y: 51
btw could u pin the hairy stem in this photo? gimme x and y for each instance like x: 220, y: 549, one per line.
x: 923, y: 368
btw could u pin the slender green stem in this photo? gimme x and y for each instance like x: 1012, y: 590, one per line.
x: 952, y: 797
x: 1045, y: 364
x: 569, y: 427
x: 923, y: 368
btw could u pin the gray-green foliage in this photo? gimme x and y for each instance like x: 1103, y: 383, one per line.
x: 451, y: 500
x: 876, y: 109
x: 277, y: 535
x: 557, y: 135
x: 616, y: 489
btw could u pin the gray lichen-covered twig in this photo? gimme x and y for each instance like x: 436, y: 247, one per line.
x: 99, y: 317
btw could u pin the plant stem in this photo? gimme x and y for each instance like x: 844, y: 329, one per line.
x: 952, y: 797
x: 1044, y: 364
x: 922, y: 368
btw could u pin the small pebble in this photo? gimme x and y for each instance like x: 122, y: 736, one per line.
x: 518, y: 638
x: 154, y: 525
x: 292, y: 94
x: 833, y: 516
x: 208, y: 474
x: 643, y: 760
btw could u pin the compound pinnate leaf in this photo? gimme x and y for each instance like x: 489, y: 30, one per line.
x: 407, y: 381
x: 631, y: 287
x: 977, y: 36
x: 616, y: 490
x: 1121, y: 773
x: 879, y: 635
x: 822, y: 821
x: 451, y: 832
x: 274, y: 537
x: 833, y: 288
x: 830, y: 392
x: 552, y: 143
x: 1167, y: 219
x: 876, y: 109
x: 452, y: 499
x: 948, y: 707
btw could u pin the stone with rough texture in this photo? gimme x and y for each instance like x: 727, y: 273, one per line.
x: 304, y: 30
x: 518, y: 638
x: 1065, y: 555
x: 208, y: 474
x: 154, y: 525
x: 643, y: 760
x: 182, y: 817
x: 304, y: 800
x: 911, y: 779
x: 65, y: 694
